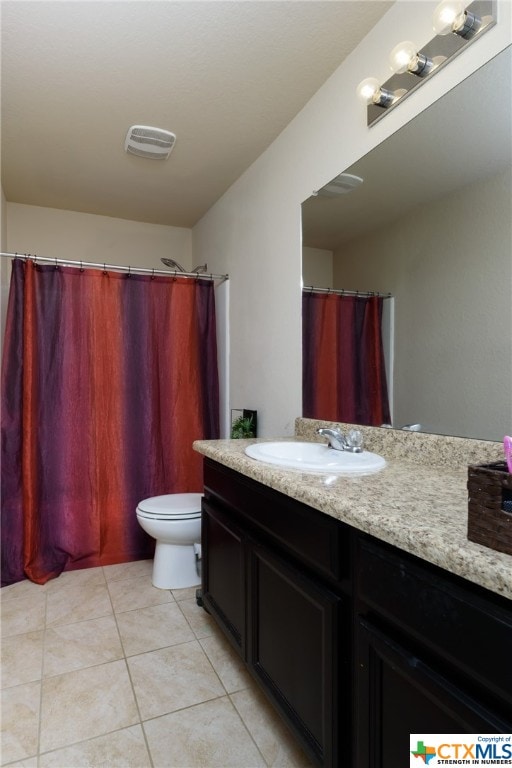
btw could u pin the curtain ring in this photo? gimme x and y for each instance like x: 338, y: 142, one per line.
x: 56, y: 264
x: 129, y: 271
x: 175, y: 278
x: 153, y: 274
x: 81, y: 267
x: 104, y: 269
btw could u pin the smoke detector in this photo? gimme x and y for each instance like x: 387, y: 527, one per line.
x: 340, y: 185
x: 153, y: 143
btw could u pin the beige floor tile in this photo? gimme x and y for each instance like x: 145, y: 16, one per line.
x: 22, y: 659
x: 86, y: 703
x: 129, y: 594
x: 28, y: 762
x: 151, y: 628
x: 173, y: 678
x: 23, y: 614
x: 274, y: 740
x: 83, y: 577
x: 209, y: 735
x: 128, y: 570
x: 121, y: 749
x: 226, y: 662
x: 201, y: 622
x: 79, y: 645
x: 187, y: 593
x: 76, y: 603
x: 20, y: 721
x: 25, y: 588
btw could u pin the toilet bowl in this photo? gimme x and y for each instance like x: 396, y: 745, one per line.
x: 174, y: 520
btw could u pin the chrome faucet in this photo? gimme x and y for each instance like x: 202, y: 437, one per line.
x: 337, y: 439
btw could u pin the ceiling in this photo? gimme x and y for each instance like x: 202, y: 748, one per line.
x: 225, y: 77
x: 463, y: 138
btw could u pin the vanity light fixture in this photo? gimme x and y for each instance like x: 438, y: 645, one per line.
x: 371, y: 92
x: 456, y: 26
x: 405, y: 58
x: 450, y: 17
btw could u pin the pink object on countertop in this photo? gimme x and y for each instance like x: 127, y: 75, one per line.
x: 507, y: 447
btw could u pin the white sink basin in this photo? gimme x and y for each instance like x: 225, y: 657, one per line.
x: 315, y: 457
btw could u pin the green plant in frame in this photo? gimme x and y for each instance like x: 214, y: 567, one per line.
x: 243, y: 427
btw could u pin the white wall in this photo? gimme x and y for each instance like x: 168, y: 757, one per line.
x: 4, y: 268
x: 85, y: 236
x: 317, y: 267
x: 254, y: 231
x: 449, y: 267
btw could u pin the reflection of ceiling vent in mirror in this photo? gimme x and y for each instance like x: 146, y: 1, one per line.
x: 340, y: 185
x: 145, y: 141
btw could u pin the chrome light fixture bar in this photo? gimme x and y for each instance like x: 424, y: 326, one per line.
x: 456, y: 26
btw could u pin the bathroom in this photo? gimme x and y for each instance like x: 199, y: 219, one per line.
x: 253, y: 232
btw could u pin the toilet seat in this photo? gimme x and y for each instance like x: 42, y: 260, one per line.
x: 174, y: 506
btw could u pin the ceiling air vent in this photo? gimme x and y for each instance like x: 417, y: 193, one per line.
x: 153, y: 143
x: 340, y: 185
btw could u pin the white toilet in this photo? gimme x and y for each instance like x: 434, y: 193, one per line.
x: 174, y: 521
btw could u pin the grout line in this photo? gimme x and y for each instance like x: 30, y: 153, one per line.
x: 248, y: 729
x: 127, y: 667
x: 93, y: 738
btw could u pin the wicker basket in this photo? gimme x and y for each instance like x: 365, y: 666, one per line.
x: 489, y: 485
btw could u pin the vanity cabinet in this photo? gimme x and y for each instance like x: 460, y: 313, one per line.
x: 297, y: 629
x: 356, y: 643
x: 275, y: 577
x: 224, y: 565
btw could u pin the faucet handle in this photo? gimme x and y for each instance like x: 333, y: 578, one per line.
x: 355, y: 441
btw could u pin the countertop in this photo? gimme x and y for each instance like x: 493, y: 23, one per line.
x: 419, y: 508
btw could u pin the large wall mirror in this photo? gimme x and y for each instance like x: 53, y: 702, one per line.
x: 431, y: 225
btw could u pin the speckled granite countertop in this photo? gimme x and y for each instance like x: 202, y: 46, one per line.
x: 419, y: 508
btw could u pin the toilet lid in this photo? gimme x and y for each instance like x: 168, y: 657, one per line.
x: 175, y: 506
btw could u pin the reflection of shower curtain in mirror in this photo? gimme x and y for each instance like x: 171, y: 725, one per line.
x: 343, y: 370
x: 107, y: 380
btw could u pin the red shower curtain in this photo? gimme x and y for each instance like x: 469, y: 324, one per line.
x: 343, y: 370
x: 107, y: 380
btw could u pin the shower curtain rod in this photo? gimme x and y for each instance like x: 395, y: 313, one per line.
x: 343, y: 292
x: 117, y: 267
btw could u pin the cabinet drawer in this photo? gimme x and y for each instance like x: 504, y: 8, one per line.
x: 469, y: 629
x: 314, y: 538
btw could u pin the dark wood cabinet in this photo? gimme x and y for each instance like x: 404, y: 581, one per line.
x: 297, y: 630
x: 356, y: 643
x: 399, y: 693
x: 289, y: 625
x: 223, y: 574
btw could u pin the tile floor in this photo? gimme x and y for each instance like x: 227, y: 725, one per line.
x: 102, y: 670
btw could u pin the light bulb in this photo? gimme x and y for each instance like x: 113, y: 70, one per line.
x: 367, y: 89
x: 403, y: 57
x: 448, y: 17
x: 371, y: 92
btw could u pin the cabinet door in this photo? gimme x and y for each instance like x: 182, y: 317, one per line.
x: 223, y: 573
x: 298, y: 652
x: 398, y: 694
